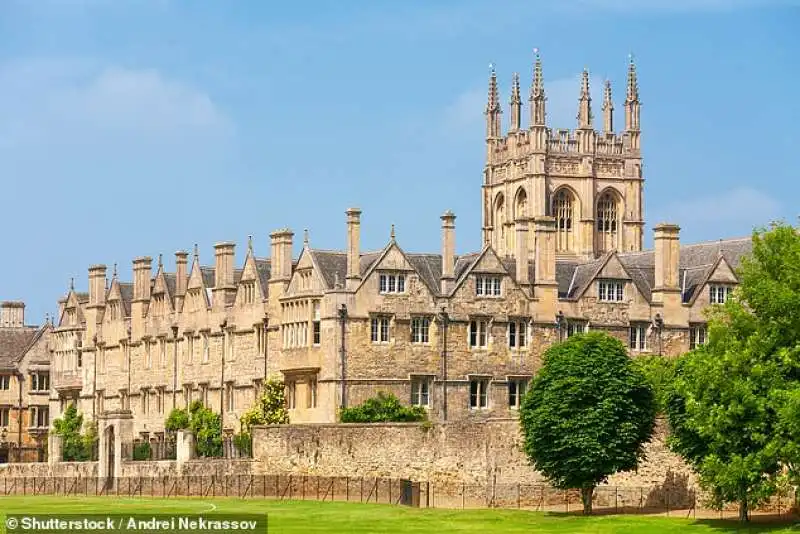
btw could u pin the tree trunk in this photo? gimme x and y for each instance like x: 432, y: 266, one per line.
x: 743, y: 511
x: 586, y: 497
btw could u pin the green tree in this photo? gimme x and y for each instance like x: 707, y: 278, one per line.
x: 204, y: 424
x: 660, y: 372
x: 269, y: 409
x: 383, y: 408
x: 588, y: 414
x: 734, y: 404
x: 75, y: 446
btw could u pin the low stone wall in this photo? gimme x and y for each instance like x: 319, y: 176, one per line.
x: 463, y: 452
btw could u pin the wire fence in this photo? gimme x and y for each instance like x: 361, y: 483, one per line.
x: 608, y: 499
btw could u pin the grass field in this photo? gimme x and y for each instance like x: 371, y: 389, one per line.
x: 291, y: 517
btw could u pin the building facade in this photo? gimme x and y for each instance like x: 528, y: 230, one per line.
x: 24, y: 385
x: 459, y: 334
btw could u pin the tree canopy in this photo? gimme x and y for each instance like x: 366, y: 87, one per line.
x: 734, y: 404
x: 588, y: 414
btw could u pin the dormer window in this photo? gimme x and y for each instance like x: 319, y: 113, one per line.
x: 391, y: 283
x: 158, y: 304
x: 487, y: 286
x: 249, y: 291
x: 304, y: 279
x: 610, y: 290
x: 719, y: 294
x: 113, y: 310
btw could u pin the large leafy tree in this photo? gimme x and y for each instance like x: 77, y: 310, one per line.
x: 588, y: 414
x: 734, y: 403
x: 76, y: 447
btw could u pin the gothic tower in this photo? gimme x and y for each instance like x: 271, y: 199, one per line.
x: 590, y: 181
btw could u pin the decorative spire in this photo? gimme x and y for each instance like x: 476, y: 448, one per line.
x: 516, y: 104
x: 633, y: 82
x: 160, y: 261
x: 114, y: 272
x: 72, y: 284
x: 537, y: 97
x: 47, y: 318
x: 196, y: 252
x: 585, y: 103
x: 391, y: 234
x: 632, y: 106
x: 608, y: 109
x: 493, y: 110
x: 305, y: 238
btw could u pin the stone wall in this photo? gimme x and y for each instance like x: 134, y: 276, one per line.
x: 470, y: 452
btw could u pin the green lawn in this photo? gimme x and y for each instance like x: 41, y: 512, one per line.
x: 309, y: 516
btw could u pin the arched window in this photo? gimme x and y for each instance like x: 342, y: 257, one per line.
x: 607, y: 221
x: 563, y: 212
x: 499, y: 223
x: 521, y: 204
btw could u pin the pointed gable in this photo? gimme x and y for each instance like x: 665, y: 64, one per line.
x: 197, y: 290
x: 248, y: 279
x: 486, y: 262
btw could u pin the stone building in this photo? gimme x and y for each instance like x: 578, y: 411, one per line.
x: 460, y: 334
x: 24, y: 385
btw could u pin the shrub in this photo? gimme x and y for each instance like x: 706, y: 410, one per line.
x: 383, y: 408
x: 243, y: 443
x: 203, y: 423
x: 76, y: 447
x: 142, y: 451
x: 269, y: 409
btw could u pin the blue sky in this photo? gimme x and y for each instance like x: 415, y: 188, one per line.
x: 132, y: 128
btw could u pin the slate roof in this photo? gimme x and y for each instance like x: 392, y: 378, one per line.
x: 573, y: 276
x: 14, y: 343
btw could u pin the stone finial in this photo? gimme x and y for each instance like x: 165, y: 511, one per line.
x: 493, y: 101
x: 537, y: 87
x: 114, y: 272
x: 392, y: 234
x: 515, y: 98
x: 250, y: 244
x: 72, y: 284
x: 305, y: 238
x: 160, y: 261
x: 196, y: 252
x: 633, y: 82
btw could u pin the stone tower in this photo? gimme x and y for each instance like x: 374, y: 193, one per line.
x: 589, y: 181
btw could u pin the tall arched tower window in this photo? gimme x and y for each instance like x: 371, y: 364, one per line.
x: 521, y: 204
x: 607, y: 222
x: 499, y: 224
x: 563, y: 211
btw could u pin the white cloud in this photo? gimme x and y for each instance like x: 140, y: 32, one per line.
x: 739, y: 209
x: 64, y: 103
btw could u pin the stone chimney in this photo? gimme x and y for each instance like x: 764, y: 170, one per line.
x: 97, y: 285
x: 353, y: 247
x: 281, y: 260
x: 666, y: 288
x: 224, y: 288
x: 12, y: 314
x: 448, y: 251
x: 521, y: 252
x: 545, y: 285
x: 181, y: 272
x: 142, y: 273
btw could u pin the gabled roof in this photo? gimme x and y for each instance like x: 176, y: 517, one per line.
x: 15, y: 342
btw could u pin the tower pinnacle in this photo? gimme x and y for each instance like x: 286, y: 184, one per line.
x: 608, y: 109
x: 585, y: 103
x: 632, y: 107
x: 537, y: 97
x: 516, y: 104
x: 493, y: 110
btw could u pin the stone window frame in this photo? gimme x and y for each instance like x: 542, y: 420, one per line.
x: 698, y: 335
x: 144, y: 400
x: 392, y: 282
x: 420, y: 329
x: 377, y: 322
x: 611, y: 290
x: 719, y: 293
x: 516, y: 381
x: 489, y: 285
x: 36, y: 379
x: 34, y: 416
x: 291, y: 394
x: 230, y: 396
x: 100, y: 399
x: 484, y: 386
x: 574, y: 327
x: 203, y: 388
x: 486, y: 332
x: 5, y: 416
x: 418, y: 382
x: 5, y: 382
x: 187, y: 389
x: 124, y: 399
x: 638, y: 334
x: 522, y: 330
